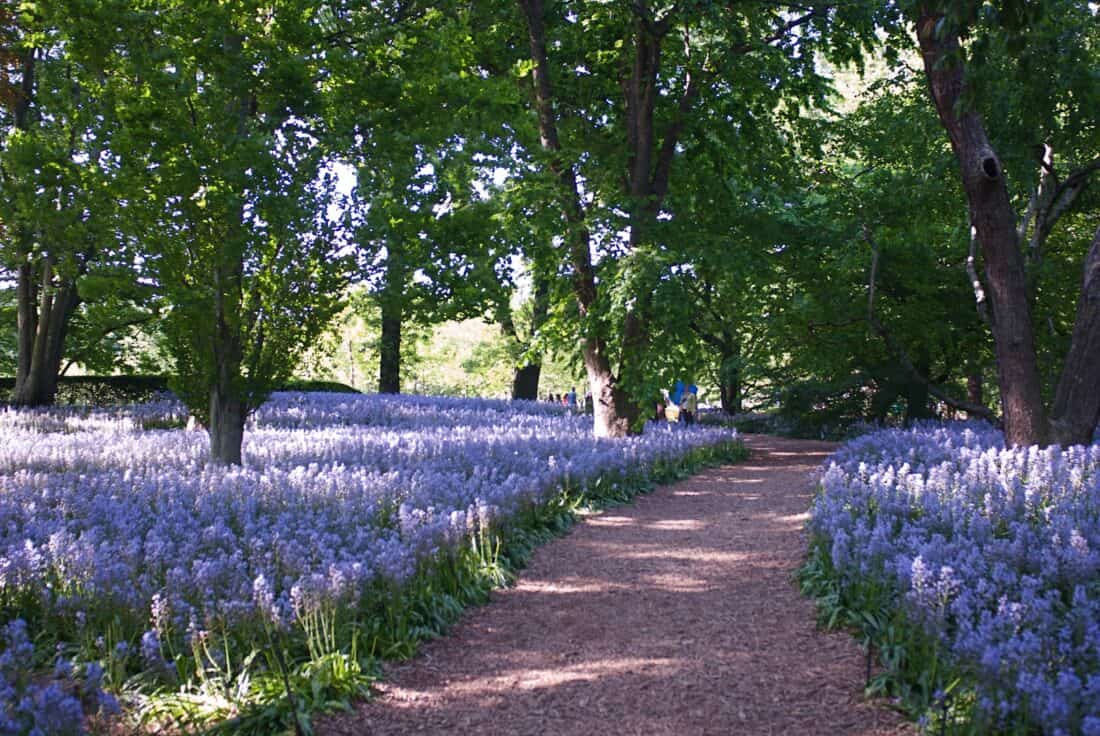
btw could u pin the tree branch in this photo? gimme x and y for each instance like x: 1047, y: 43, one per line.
x: 900, y: 352
x: 780, y: 32
x: 975, y: 280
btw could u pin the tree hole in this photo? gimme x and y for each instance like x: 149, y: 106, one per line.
x: 991, y: 168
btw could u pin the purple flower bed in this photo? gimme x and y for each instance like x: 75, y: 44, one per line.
x: 994, y: 553
x: 104, y: 521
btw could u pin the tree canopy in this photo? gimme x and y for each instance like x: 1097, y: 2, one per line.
x: 868, y: 211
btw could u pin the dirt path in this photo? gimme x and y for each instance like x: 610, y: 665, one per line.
x: 675, y: 615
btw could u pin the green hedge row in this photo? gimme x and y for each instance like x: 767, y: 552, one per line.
x: 109, y: 390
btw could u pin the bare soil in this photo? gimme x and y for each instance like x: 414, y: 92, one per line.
x: 677, y: 615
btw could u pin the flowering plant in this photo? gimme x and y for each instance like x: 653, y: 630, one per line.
x: 990, y: 555
x: 343, y: 501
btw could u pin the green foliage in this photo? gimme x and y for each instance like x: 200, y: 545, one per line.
x: 102, y: 390
x: 234, y: 217
x: 137, y: 389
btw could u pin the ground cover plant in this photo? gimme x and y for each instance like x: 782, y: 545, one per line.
x: 974, y: 571
x: 248, y: 596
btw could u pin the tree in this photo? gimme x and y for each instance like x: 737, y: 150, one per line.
x: 1028, y: 32
x: 422, y: 217
x: 618, y: 91
x: 221, y: 113
x: 57, y: 218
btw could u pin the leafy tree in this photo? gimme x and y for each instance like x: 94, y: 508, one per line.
x: 422, y: 218
x: 619, y: 91
x: 59, y: 174
x: 1022, y: 65
x: 219, y: 101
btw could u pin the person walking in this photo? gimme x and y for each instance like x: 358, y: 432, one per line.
x: 571, y: 399
x: 690, y: 404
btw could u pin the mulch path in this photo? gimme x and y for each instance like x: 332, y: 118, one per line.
x: 677, y: 615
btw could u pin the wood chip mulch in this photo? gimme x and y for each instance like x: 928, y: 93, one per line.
x: 676, y: 615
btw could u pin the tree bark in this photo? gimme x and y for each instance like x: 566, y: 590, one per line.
x: 391, y: 301
x: 227, y: 417
x: 43, y: 314
x: 228, y: 409
x: 729, y: 392
x: 26, y: 322
x: 389, y: 349
x: 729, y: 374
x: 525, y: 381
x: 994, y: 220
x: 1076, y: 411
x: 614, y: 414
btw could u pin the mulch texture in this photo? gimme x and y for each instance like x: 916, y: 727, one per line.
x: 677, y: 615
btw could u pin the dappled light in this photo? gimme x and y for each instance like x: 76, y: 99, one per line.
x: 321, y: 319
x: 693, y: 587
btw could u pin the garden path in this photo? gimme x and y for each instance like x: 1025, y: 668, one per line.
x: 676, y: 614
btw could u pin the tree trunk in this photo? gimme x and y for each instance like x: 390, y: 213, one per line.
x: 886, y: 393
x: 614, y: 414
x: 994, y: 220
x: 26, y: 325
x: 389, y: 349
x: 729, y: 392
x: 916, y: 402
x: 975, y: 388
x: 1077, y: 400
x: 227, y: 417
x: 917, y: 395
x: 525, y: 381
x: 228, y: 409
x: 43, y: 314
x: 649, y: 166
x: 729, y: 374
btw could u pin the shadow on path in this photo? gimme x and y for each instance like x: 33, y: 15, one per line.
x: 677, y: 614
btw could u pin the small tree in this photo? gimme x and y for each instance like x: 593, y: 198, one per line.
x: 219, y: 111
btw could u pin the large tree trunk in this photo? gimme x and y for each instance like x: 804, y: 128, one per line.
x: 227, y: 417
x: 1077, y: 401
x: 389, y: 349
x: 230, y: 403
x: 729, y: 374
x: 916, y: 402
x: 525, y: 380
x: 43, y: 314
x: 228, y: 409
x: 614, y: 414
x: 650, y: 156
x: 26, y: 323
x: 391, y: 301
x: 994, y: 219
x: 729, y: 392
